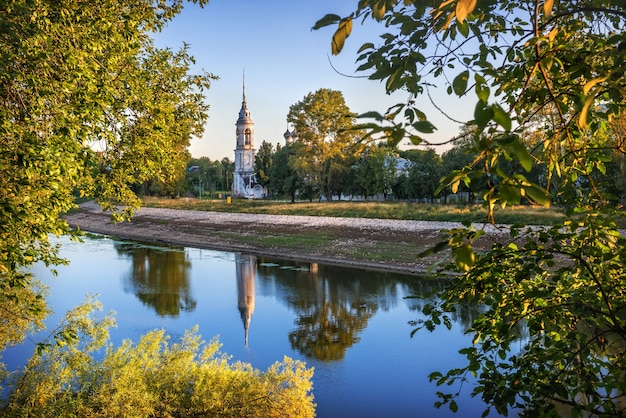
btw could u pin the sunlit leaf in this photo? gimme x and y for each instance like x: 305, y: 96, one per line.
x: 464, y: 8
x: 341, y: 34
x: 589, y: 85
x: 378, y: 10
x: 582, y: 118
x: 547, y: 7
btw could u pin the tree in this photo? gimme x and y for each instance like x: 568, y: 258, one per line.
x: 376, y: 171
x: 263, y: 163
x: 424, y: 173
x: 566, y: 284
x: 456, y: 159
x: 323, y: 122
x: 90, y: 108
x: 283, y: 178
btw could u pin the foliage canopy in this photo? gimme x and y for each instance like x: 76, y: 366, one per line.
x: 328, y: 145
x: 90, y: 107
x: 549, y: 88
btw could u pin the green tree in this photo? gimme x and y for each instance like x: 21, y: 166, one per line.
x: 283, y: 178
x: 263, y: 162
x: 455, y: 160
x: 85, y: 116
x: 376, y: 171
x: 566, y: 284
x: 229, y: 168
x: 330, y: 146
x: 90, y: 107
x: 424, y: 173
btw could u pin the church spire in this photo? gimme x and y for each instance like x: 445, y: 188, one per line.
x: 244, y: 85
x: 244, y: 113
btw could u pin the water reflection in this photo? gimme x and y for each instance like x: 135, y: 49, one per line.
x: 334, y: 305
x: 159, y: 277
x: 352, y: 326
x: 245, y: 267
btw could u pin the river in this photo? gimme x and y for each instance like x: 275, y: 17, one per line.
x: 353, y: 326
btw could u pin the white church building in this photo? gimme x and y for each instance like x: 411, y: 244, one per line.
x: 244, y: 179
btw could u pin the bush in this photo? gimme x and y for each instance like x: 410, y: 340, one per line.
x: 152, y: 378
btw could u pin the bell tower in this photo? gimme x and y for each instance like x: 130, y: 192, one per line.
x: 243, y: 177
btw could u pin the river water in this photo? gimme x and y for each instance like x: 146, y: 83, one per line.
x: 353, y: 326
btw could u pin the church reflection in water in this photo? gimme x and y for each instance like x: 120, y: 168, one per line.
x: 246, y: 272
x: 332, y: 305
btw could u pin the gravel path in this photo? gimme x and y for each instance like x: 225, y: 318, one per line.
x: 292, y: 220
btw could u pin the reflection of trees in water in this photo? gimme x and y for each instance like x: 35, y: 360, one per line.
x: 335, y: 304
x: 159, y: 278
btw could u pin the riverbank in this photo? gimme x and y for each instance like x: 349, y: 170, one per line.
x: 379, y: 244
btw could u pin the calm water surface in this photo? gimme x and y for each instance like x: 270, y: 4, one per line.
x: 351, y: 325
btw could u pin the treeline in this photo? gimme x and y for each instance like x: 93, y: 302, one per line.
x: 415, y: 175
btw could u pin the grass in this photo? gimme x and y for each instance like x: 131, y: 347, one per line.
x: 524, y: 215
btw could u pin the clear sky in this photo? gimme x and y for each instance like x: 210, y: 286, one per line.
x: 283, y: 61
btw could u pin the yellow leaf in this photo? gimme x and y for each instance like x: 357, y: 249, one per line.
x: 589, y: 85
x: 342, y: 32
x: 378, y: 11
x: 464, y: 8
x: 547, y: 7
x: 552, y: 35
x: 582, y: 119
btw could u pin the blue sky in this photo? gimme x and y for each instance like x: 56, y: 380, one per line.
x: 283, y: 61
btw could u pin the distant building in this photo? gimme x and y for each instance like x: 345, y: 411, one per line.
x: 290, y: 136
x: 244, y: 179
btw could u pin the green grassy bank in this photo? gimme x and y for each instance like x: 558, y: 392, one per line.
x: 525, y: 215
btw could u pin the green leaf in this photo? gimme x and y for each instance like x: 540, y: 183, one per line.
x: 465, y: 257
x: 501, y: 117
x: 514, y: 146
x: 329, y: 19
x: 371, y: 115
x: 453, y: 406
x: 459, y: 85
x: 463, y: 28
x: 538, y: 195
x: 482, y: 114
x: 424, y: 127
x: 365, y: 46
x: 510, y: 194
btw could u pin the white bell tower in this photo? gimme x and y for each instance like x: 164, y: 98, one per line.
x: 243, y: 177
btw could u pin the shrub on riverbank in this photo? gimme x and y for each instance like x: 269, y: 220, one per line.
x: 150, y: 378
